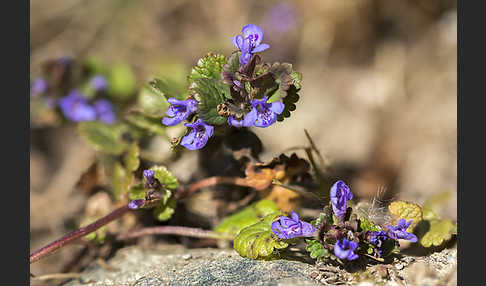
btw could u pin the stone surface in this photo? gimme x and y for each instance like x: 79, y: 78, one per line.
x: 136, y: 267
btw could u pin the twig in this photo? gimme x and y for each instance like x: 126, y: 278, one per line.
x: 211, y: 181
x: 175, y: 230
x: 70, y: 237
x: 57, y: 276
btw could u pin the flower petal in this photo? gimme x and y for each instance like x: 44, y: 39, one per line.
x: 260, y: 48
x: 277, y: 107
x: 253, y: 30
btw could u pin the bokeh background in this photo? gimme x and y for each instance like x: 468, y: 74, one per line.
x: 379, y: 93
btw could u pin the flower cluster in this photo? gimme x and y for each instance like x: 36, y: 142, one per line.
x: 75, y: 107
x: 347, y: 237
x: 243, y: 109
x: 287, y: 228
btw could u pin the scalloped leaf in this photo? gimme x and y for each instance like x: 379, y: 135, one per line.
x: 210, y: 66
x: 165, y: 209
x: 165, y: 88
x: 257, y: 240
x: 210, y: 93
x: 246, y: 217
x: 152, y: 101
x: 148, y: 124
x: 289, y: 102
x: 103, y: 137
x: 407, y: 211
x: 316, y: 249
x: 233, y: 63
x: 439, y: 232
x: 285, y: 77
x: 131, y: 158
x: 165, y: 177
x: 137, y: 192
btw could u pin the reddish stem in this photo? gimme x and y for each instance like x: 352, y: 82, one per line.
x: 70, y: 237
x: 175, y: 230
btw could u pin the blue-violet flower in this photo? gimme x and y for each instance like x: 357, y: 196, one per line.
x: 199, y: 135
x: 38, y: 86
x: 76, y: 108
x: 104, y: 111
x: 287, y: 228
x: 179, y: 110
x: 340, y: 194
x: 377, y: 238
x: 250, y: 42
x: 149, y: 176
x: 246, y: 121
x: 266, y: 112
x: 135, y: 204
x: 99, y: 83
x: 345, y: 249
x: 400, y: 231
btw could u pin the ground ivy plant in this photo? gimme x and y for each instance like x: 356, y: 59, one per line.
x: 221, y: 93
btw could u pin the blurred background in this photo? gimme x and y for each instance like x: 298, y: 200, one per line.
x: 379, y: 92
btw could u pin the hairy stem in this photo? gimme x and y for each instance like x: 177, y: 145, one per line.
x: 175, y: 230
x: 70, y: 237
x: 211, y: 181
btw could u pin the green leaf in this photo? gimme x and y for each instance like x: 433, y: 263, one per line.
x: 208, y: 67
x: 137, y: 192
x: 152, y: 102
x: 166, y: 88
x: 165, y: 177
x: 264, y: 85
x: 406, y: 210
x: 325, y: 215
x: 210, y: 93
x: 233, y: 63
x: 131, y: 158
x: 366, y: 224
x: 165, y: 210
x: 103, y: 137
x: 246, y: 217
x: 316, y: 249
x: 149, y: 124
x: 286, y: 78
x: 121, y: 181
x: 121, y: 82
x: 257, y: 240
x: 439, y: 232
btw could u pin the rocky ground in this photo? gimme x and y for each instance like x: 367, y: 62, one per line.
x: 135, y: 267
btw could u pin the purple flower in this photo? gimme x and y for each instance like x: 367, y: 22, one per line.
x: 199, y: 135
x: 340, y: 194
x: 377, y: 238
x: 250, y: 42
x: 266, y: 112
x: 38, y: 86
x: 75, y: 107
x: 400, y: 231
x: 246, y: 121
x: 104, y: 111
x: 99, y: 83
x: 179, y: 111
x: 135, y: 204
x: 287, y: 228
x: 344, y: 249
x: 149, y: 176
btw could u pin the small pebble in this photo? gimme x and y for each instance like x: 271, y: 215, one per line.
x: 314, y: 275
x: 186, y: 256
x: 399, y: 266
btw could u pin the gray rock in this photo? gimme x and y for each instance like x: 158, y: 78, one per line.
x: 135, y: 267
